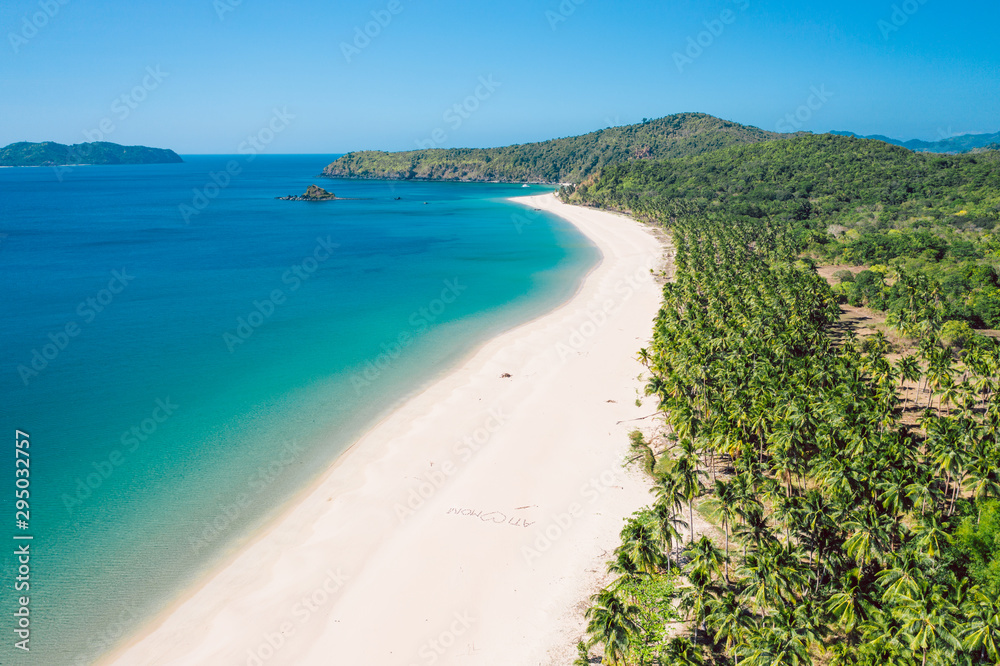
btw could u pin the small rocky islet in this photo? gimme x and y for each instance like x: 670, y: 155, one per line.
x: 313, y: 193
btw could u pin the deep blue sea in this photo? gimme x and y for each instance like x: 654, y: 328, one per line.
x: 185, y: 353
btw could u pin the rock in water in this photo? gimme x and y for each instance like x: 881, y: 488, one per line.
x: 313, y: 193
x: 318, y: 194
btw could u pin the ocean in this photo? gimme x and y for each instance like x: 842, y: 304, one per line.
x: 185, y: 353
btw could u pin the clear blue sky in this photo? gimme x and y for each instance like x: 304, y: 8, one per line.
x: 606, y: 63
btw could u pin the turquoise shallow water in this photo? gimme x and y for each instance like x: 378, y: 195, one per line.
x: 192, y: 374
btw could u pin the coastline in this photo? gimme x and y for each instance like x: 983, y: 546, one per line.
x: 414, y: 544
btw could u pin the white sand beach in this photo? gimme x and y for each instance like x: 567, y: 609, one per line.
x: 469, y: 526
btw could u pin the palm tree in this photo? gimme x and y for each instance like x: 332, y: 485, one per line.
x: 703, y: 567
x: 932, y: 537
x: 669, y: 498
x: 869, y: 538
x: 705, y: 559
x: 853, y: 604
x: 624, y: 568
x: 984, y: 474
x: 817, y: 529
x: 644, y: 356
x: 906, y: 575
x: 755, y: 528
x: 759, y: 574
x: 730, y: 620
x: 950, y: 391
x: 784, y: 641
x: 611, y: 622
x: 939, y: 371
x: 926, y: 492
x: 727, y: 503
x: 687, y: 476
x: 682, y: 652
x: 909, y: 370
x: 982, y: 630
x: 928, y: 622
x: 641, y: 541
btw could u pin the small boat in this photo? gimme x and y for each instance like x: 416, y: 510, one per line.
x: 525, y: 185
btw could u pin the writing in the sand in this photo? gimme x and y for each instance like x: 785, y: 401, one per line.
x: 496, y: 517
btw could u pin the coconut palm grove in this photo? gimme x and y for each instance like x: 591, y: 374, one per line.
x: 819, y: 495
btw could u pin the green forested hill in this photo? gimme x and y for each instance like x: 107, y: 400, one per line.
x: 49, y: 153
x: 822, y: 178
x: 559, y: 160
x: 851, y: 200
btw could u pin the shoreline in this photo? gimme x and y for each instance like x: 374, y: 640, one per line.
x: 428, y: 525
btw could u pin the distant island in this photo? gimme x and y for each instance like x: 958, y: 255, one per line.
x: 966, y: 143
x: 567, y: 160
x: 313, y: 193
x: 49, y: 153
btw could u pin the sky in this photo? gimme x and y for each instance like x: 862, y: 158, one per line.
x: 200, y: 76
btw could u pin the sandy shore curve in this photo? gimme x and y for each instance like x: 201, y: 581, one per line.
x: 470, y: 525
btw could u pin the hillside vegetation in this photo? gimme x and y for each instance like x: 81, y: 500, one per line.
x: 49, y: 153
x: 908, y: 216
x: 567, y: 160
